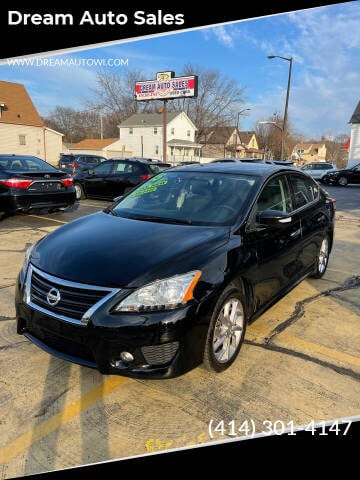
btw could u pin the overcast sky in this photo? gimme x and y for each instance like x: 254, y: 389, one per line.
x: 324, y: 43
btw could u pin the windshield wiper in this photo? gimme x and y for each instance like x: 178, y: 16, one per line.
x: 180, y: 221
x: 110, y: 211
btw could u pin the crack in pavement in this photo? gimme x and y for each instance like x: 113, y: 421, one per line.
x: 349, y: 284
x: 12, y: 345
x: 346, y: 300
x: 4, y: 318
x: 47, y: 403
x: 7, y: 286
x: 275, y: 348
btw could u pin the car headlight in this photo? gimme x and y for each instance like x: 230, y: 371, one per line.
x: 166, y: 294
x: 27, y: 259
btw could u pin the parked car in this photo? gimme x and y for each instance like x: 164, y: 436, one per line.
x: 77, y: 162
x: 318, y: 169
x: 169, y: 276
x: 27, y: 182
x: 252, y: 160
x: 343, y: 177
x: 114, y: 177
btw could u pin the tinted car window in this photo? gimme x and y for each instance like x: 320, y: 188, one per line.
x: 103, y: 168
x: 275, y: 196
x: 305, y: 190
x: 31, y: 164
x: 122, y: 167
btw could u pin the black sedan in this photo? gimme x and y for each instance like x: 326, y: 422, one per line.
x: 343, y: 177
x: 115, y: 177
x: 27, y: 183
x: 169, y: 276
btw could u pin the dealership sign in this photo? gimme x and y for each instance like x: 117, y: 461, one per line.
x: 166, y: 86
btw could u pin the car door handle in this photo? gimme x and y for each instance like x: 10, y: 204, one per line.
x: 296, y: 233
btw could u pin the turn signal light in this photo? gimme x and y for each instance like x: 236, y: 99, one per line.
x: 67, y: 182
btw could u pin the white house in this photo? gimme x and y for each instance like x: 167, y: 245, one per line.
x: 143, y: 134
x: 354, y: 151
x: 22, y: 130
x: 106, y: 147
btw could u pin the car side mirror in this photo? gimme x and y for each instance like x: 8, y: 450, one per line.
x: 91, y: 171
x: 273, y: 218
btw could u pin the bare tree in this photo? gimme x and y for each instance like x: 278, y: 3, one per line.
x: 269, y: 137
x: 334, y: 151
x: 219, y: 98
x: 218, y: 101
x: 75, y: 125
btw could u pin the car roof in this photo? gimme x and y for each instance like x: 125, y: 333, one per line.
x: 80, y: 154
x: 259, y: 169
x: 15, y: 155
x: 318, y: 163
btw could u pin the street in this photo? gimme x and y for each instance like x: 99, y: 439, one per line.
x: 300, y: 363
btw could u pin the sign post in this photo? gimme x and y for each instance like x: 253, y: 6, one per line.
x: 166, y: 87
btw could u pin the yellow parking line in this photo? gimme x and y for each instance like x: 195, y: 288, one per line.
x: 47, y: 218
x: 313, y: 347
x: 64, y: 416
x: 92, y: 205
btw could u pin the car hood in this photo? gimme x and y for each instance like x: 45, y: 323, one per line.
x: 102, y: 249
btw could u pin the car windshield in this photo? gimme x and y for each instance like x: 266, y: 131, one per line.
x: 189, y: 198
x: 25, y: 164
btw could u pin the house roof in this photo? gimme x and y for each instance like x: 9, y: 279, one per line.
x: 93, y: 143
x: 180, y: 142
x: 148, y: 119
x: 245, y: 137
x: 18, y: 108
x: 308, y: 147
x: 356, y: 115
x: 216, y: 135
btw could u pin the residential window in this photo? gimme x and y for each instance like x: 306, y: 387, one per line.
x: 155, y: 130
x: 172, y: 150
x: 186, y: 152
x: 22, y: 139
x: 188, y: 133
x: 156, y: 149
x: 130, y: 131
x: 172, y: 131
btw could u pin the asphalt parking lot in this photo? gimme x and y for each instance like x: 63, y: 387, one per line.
x: 300, y: 362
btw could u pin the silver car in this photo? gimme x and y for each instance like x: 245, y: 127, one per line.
x: 318, y: 169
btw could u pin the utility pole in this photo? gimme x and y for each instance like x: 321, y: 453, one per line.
x: 284, y: 125
x: 101, y: 125
x: 164, y: 131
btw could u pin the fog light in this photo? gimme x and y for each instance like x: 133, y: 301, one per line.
x: 126, y: 357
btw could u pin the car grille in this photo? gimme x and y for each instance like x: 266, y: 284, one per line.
x: 46, y: 187
x: 77, y: 301
x: 160, y: 354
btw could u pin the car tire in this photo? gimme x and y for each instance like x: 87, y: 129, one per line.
x: 343, y: 181
x: 79, y: 191
x: 322, y: 258
x: 226, y: 331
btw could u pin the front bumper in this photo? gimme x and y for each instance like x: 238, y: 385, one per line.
x: 163, y: 344
x: 330, y: 180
